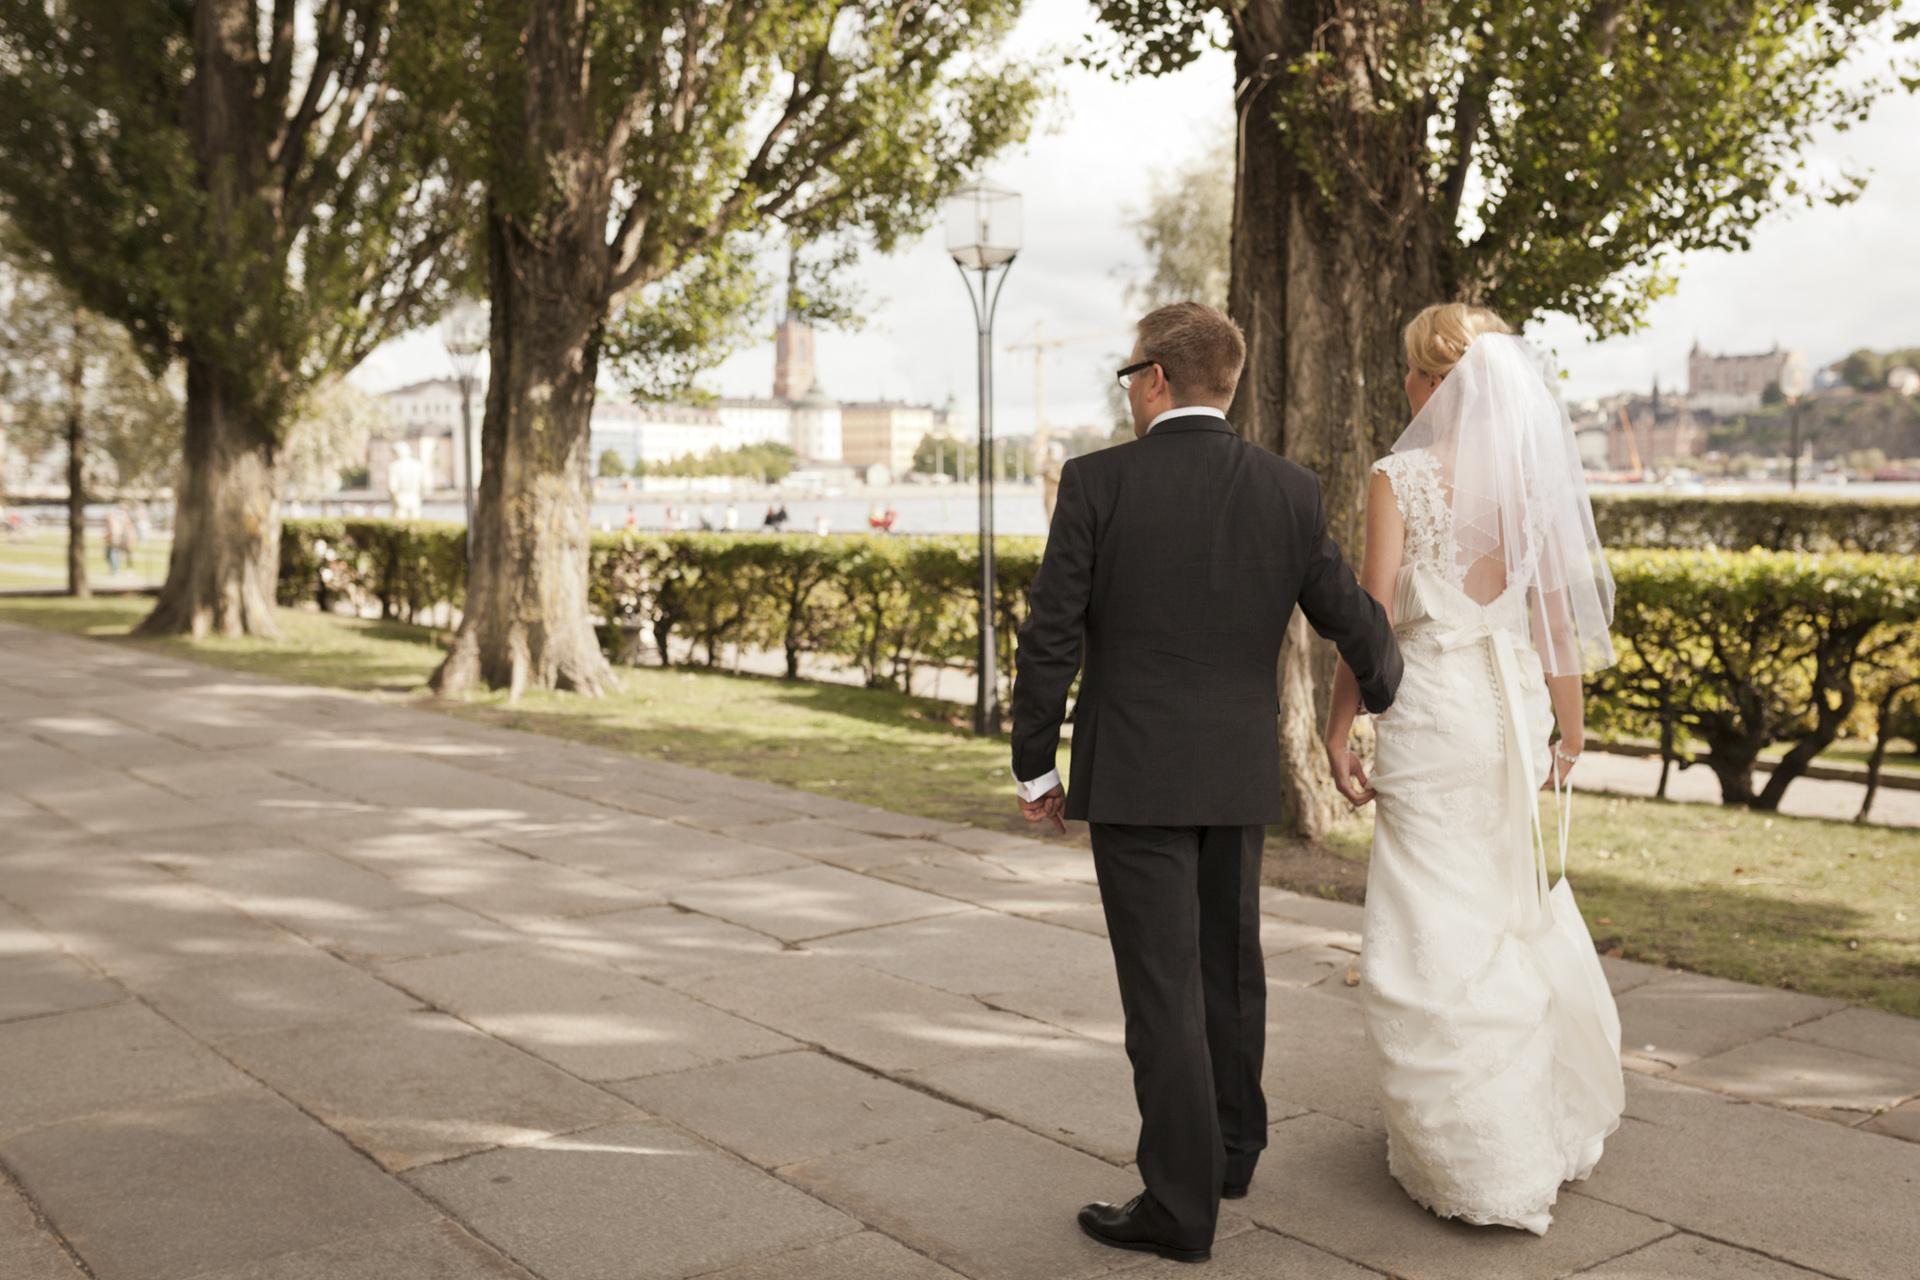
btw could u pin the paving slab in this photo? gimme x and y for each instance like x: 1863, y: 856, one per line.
x: 523, y: 890
x: 1259, y: 1255
x: 582, y: 1016
x: 984, y: 883
x: 413, y: 1088
x: 1689, y: 1016
x: 1279, y: 936
x: 655, y: 942
x: 405, y: 933
x: 990, y: 1200
x: 809, y: 902
x: 28, y: 1250
x: 1087, y: 1003
x: 655, y: 856
x: 1322, y: 967
x: 1793, y: 1073
x: 1901, y: 1122
x: 1325, y: 912
x: 1812, y: 1193
x: 629, y: 1201
x: 865, y: 1256
x: 51, y: 982
x: 871, y: 853
x: 224, y: 1180
x: 1325, y: 1182
x: 788, y: 1107
x: 1866, y: 1031
x: 1624, y: 975
x: 236, y: 998
x: 438, y: 1251
x: 67, y: 1065
x: 1068, y: 1089
x: 884, y: 1022
x: 973, y: 952
x: 1317, y: 1056
x: 145, y: 922
x: 1686, y: 1257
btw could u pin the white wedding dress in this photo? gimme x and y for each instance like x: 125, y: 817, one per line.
x: 1489, y: 1016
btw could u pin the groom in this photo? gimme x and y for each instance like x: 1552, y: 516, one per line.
x: 1173, y: 566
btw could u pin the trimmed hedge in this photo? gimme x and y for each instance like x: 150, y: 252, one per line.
x: 1722, y: 654
x: 408, y: 568
x: 1736, y: 652
x: 1773, y: 522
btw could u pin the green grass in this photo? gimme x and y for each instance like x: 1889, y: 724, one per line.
x: 38, y: 561
x: 1817, y: 906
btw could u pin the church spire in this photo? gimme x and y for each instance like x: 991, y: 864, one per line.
x: 793, y: 374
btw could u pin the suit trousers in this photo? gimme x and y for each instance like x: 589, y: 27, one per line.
x: 1183, y: 915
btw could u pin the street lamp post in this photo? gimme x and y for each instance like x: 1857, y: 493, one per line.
x: 463, y: 331
x: 983, y: 236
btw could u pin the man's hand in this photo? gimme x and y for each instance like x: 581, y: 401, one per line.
x: 1051, y: 807
x: 1349, y: 775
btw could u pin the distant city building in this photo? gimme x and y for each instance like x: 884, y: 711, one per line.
x: 885, y: 433
x: 1903, y: 381
x: 799, y: 414
x: 1645, y: 431
x: 1726, y: 384
x: 652, y: 433
x: 426, y: 415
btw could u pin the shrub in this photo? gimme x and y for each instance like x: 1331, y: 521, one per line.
x: 1739, y: 652
x: 1723, y: 654
x: 406, y: 569
x: 1772, y: 522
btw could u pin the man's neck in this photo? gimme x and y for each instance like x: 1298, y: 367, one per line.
x: 1182, y: 410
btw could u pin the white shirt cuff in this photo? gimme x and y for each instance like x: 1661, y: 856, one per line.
x: 1039, y: 786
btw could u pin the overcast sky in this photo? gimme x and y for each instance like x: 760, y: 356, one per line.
x: 1825, y: 280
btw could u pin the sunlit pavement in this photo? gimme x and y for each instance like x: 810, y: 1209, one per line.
x: 296, y: 986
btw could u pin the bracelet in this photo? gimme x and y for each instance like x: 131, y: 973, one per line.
x: 1563, y: 757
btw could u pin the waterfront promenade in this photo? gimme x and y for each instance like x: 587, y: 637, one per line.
x: 296, y: 985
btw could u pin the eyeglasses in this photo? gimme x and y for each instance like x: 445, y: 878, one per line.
x: 1126, y: 375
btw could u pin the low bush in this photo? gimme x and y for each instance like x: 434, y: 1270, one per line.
x: 1735, y: 653
x: 1887, y: 526
x: 1723, y: 655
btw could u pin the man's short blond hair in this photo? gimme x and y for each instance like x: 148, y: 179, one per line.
x: 1199, y: 348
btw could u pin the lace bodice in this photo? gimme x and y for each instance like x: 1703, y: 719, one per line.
x: 1415, y: 477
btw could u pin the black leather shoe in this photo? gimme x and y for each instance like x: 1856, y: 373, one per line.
x: 1235, y: 1190
x: 1129, y: 1226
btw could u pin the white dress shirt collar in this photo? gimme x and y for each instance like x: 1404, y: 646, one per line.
x: 1185, y: 410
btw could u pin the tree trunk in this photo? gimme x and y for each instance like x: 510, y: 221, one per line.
x: 526, y: 623
x: 77, y: 585
x: 1877, y: 759
x: 222, y: 575
x: 223, y: 570
x: 1322, y: 289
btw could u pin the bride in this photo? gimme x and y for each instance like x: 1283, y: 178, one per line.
x: 1496, y: 1037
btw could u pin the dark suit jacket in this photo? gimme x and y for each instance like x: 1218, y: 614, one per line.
x: 1174, y: 564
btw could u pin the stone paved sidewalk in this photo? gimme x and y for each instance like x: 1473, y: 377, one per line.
x: 296, y: 986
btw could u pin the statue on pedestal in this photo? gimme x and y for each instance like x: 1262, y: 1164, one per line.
x: 406, y: 482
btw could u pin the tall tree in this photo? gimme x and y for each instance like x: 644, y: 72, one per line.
x: 238, y: 185
x: 74, y: 382
x: 632, y: 152
x: 1538, y: 157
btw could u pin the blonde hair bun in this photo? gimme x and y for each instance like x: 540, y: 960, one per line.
x: 1437, y: 339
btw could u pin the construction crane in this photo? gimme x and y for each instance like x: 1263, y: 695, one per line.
x: 1040, y: 346
x: 1633, y: 446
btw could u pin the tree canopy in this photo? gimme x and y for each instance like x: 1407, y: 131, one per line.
x: 1570, y: 148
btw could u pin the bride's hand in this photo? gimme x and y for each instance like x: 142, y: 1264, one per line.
x: 1349, y: 775
x: 1560, y: 766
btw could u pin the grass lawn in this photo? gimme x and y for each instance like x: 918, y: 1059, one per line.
x: 1823, y: 907
x: 38, y: 560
